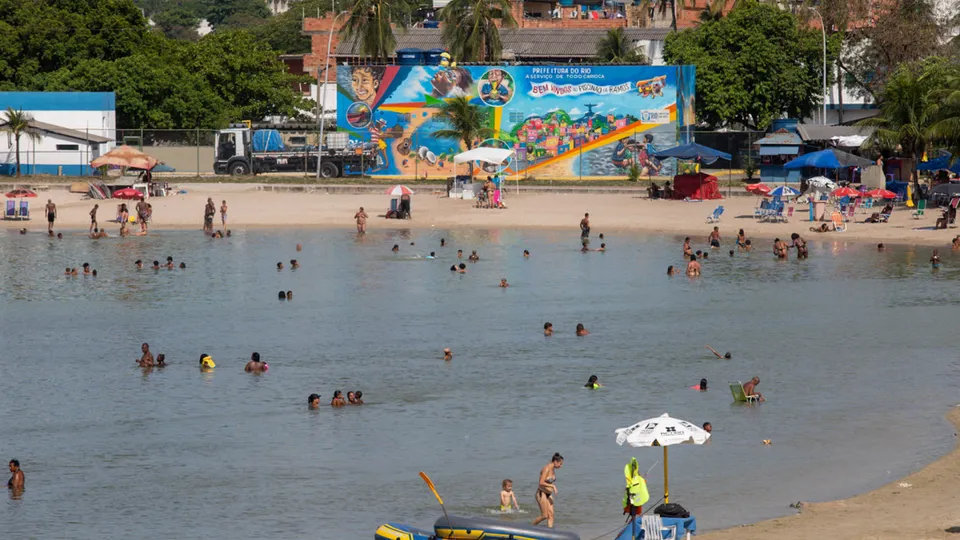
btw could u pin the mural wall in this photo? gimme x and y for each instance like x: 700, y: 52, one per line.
x: 561, y: 121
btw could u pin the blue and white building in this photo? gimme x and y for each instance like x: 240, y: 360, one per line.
x: 68, y: 130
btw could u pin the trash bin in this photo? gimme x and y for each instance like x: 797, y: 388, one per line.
x: 819, y: 209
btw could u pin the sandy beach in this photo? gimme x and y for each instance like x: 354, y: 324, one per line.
x: 251, y: 207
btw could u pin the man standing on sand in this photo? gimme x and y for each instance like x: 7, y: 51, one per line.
x: 93, y: 218
x: 147, y: 358
x: 208, y: 212
x: 750, y: 389
x: 142, y: 215
x: 361, y: 218
x: 51, y: 215
x: 17, y: 479
x: 223, y: 214
x: 585, y: 226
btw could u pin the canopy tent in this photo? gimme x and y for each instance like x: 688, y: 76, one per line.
x: 943, y: 162
x: 830, y: 158
x: 494, y: 156
x: 126, y: 156
x: 696, y: 186
x: 696, y: 151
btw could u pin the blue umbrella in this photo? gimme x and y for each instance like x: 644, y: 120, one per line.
x: 830, y: 158
x: 693, y: 151
x: 784, y: 191
x: 938, y: 163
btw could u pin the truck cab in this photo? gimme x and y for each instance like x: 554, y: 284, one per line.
x: 233, y: 152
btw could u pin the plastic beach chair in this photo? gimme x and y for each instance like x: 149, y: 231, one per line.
x: 653, y: 528
x: 715, y: 216
x: 921, y: 206
x: 11, y: 212
x: 759, y: 211
x: 838, y: 223
x: 24, y: 210
x: 736, y: 388
x: 867, y: 203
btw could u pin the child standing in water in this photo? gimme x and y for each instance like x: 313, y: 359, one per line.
x: 507, y: 496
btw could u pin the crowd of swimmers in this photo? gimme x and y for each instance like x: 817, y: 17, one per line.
x: 780, y: 249
x: 85, y: 270
x: 354, y: 397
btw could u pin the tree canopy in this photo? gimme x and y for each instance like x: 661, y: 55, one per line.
x: 753, y: 66
x: 107, y: 45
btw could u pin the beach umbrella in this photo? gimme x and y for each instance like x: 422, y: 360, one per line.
x: 19, y: 193
x: 758, y: 189
x: 662, y: 431
x: 696, y: 151
x: 944, y: 161
x: 399, y: 190
x: 125, y: 156
x: 845, y: 192
x: 784, y: 191
x: 127, y: 193
x: 830, y: 158
x: 881, y: 194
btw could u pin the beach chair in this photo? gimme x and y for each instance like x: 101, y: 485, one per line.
x: 786, y: 218
x: 11, y: 212
x: 653, y: 529
x: 736, y: 388
x: 867, y: 203
x: 24, y: 210
x: 715, y: 216
x: 921, y: 206
x: 759, y: 212
x: 886, y: 217
x: 838, y: 223
x: 851, y: 210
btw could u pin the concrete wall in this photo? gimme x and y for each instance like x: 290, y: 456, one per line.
x: 184, y: 158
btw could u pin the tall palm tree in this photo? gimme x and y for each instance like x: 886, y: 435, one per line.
x: 616, y: 48
x: 470, y: 31
x: 370, y: 21
x: 18, y: 123
x: 467, y: 122
x: 908, y: 110
x: 946, y: 130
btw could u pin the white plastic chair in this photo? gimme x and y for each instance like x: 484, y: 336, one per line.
x: 653, y: 528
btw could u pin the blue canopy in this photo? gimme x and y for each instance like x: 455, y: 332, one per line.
x: 831, y: 158
x: 940, y: 163
x: 692, y: 151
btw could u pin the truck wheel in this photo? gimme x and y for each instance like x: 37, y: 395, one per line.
x: 239, y: 168
x: 329, y: 170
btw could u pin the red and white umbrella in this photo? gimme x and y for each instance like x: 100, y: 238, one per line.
x: 881, y: 194
x: 126, y: 193
x: 399, y: 190
x: 845, y: 192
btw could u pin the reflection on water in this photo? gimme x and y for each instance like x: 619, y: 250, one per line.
x: 843, y: 343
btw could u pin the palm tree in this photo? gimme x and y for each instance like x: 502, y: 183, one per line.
x: 470, y: 31
x: 467, y: 122
x: 946, y: 130
x: 371, y: 22
x: 616, y: 48
x: 908, y: 110
x: 18, y: 123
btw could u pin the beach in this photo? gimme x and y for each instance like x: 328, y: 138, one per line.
x: 250, y: 206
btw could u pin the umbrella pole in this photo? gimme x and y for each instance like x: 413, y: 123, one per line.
x: 666, y: 477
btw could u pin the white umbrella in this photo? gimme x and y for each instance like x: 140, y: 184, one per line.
x: 662, y: 431
x: 821, y: 182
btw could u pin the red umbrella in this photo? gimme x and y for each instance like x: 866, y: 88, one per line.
x: 127, y: 193
x: 17, y: 193
x: 881, y: 194
x: 399, y: 190
x: 758, y: 189
x: 845, y: 192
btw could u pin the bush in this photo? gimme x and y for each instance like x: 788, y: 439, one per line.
x: 749, y: 167
x: 633, y: 173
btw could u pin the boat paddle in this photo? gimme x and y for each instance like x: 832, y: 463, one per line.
x: 439, y: 500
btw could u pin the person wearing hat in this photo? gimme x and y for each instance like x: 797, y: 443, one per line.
x: 447, y: 354
x: 206, y: 362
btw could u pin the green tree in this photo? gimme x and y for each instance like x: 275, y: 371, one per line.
x: 284, y: 32
x: 218, y: 11
x: 755, y: 65
x: 467, y: 123
x: 910, y: 109
x: 371, y: 23
x: 470, y: 29
x: 616, y: 48
x: 17, y: 123
x: 177, y: 22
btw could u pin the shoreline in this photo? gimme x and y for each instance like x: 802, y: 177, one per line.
x: 919, y: 505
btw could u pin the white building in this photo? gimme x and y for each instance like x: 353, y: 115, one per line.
x: 69, y: 129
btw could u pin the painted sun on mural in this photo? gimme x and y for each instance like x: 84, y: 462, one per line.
x: 560, y: 121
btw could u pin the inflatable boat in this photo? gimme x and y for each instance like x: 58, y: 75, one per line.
x: 463, y: 528
x: 399, y: 531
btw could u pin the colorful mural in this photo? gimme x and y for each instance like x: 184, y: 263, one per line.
x: 561, y: 121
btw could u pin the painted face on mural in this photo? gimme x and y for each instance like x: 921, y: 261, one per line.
x: 365, y: 84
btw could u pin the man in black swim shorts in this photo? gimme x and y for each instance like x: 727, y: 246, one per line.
x: 51, y: 215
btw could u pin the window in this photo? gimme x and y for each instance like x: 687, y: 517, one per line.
x: 68, y: 147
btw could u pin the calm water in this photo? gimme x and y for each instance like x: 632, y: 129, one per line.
x: 855, y: 349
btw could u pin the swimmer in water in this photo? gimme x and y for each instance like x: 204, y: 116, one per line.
x: 94, y: 273
x: 183, y: 265
x: 603, y: 247
x: 462, y: 268
x: 432, y: 255
x: 453, y: 268
x: 169, y: 263
x: 139, y: 264
x: 548, y: 329
x: 671, y: 271
x: 701, y: 387
x: 880, y: 247
x: 156, y: 265
x: 351, y: 398
x: 338, y: 400
x: 161, y: 360
x: 693, y: 267
x: 255, y: 365
x: 687, y: 250
x: 206, y: 363
x: 300, y: 248
x: 447, y: 354
x: 581, y: 331
x: 726, y: 356
x: 289, y: 295
x: 708, y: 427
x: 503, y: 283
x: 801, y: 245
x: 281, y: 296
x: 507, y: 497
x: 731, y: 253
x: 313, y: 401
x: 780, y: 248
x: 294, y: 264
x: 935, y: 259
x: 459, y: 253
x: 86, y: 268
x: 359, y: 397
x: 593, y: 383
x: 73, y: 272
x: 66, y: 272
x: 473, y: 256
x: 443, y: 242
x: 714, y: 238
x: 146, y: 359
x: 279, y: 266
x: 17, y: 479
x: 526, y: 254
x: 395, y: 248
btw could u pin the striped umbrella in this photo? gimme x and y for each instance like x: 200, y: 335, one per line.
x: 784, y: 191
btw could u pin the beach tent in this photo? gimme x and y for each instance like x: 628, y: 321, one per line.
x: 699, y: 152
x: 942, y: 162
x: 830, y: 158
x: 699, y: 186
x: 493, y: 156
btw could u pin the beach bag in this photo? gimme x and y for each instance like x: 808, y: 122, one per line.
x: 671, y: 510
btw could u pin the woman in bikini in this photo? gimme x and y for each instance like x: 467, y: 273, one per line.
x: 800, y: 244
x: 547, y: 489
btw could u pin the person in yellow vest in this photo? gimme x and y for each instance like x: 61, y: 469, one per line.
x: 636, y: 494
